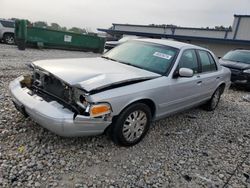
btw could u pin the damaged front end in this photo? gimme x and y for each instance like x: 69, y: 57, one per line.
x: 52, y: 88
x: 57, y: 106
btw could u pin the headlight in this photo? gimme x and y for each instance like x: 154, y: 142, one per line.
x: 247, y: 71
x: 99, y: 109
x: 94, y: 110
x: 83, y: 101
x: 80, y: 98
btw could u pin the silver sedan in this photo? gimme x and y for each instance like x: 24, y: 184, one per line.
x: 123, y: 91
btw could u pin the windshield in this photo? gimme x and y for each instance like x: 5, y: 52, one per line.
x: 238, y: 56
x: 148, y: 56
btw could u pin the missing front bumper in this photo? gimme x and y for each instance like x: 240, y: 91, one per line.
x: 54, y: 116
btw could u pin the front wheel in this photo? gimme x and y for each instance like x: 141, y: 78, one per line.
x: 131, y: 125
x: 214, y: 101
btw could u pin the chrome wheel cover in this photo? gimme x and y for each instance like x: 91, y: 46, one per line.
x: 134, y: 125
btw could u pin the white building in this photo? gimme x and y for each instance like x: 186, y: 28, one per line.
x: 219, y: 41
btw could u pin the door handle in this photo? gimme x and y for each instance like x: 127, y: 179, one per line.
x: 218, y: 78
x: 199, y: 82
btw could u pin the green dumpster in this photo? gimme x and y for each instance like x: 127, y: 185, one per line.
x: 41, y: 37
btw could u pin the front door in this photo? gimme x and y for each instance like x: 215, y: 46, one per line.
x: 183, y: 92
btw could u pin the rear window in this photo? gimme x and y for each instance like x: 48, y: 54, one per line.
x: 8, y: 24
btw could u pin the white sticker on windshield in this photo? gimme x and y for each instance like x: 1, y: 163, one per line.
x: 162, y: 55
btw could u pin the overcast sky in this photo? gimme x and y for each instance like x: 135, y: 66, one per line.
x: 102, y: 13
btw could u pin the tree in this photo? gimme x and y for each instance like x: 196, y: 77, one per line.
x: 40, y: 24
x: 223, y: 28
x: 77, y: 30
x: 55, y: 26
x: 64, y: 28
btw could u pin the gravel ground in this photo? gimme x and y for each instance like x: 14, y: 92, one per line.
x: 192, y: 149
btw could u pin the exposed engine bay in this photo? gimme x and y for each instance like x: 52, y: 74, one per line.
x: 50, y: 88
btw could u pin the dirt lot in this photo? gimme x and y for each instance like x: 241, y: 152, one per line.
x: 193, y: 149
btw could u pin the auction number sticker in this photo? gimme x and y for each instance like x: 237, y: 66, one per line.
x: 67, y: 38
x: 162, y: 55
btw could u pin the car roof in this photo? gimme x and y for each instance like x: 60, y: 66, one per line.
x: 171, y: 43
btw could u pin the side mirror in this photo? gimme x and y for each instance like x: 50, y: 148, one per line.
x: 186, y: 72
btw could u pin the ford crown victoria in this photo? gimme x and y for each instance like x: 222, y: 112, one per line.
x: 123, y: 91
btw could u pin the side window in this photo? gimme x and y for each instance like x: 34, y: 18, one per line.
x: 189, y: 60
x: 207, y: 62
x: 213, y: 63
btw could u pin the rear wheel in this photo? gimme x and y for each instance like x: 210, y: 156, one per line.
x: 131, y: 125
x: 214, y: 101
x: 9, y: 38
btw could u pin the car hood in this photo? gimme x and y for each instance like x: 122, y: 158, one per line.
x: 234, y: 65
x: 93, y: 73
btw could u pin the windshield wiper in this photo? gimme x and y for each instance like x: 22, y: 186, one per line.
x: 130, y: 64
x: 105, y: 57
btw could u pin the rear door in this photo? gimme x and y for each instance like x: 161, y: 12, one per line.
x: 209, y: 73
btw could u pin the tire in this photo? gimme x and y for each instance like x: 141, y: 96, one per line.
x: 21, y: 45
x: 131, y: 126
x: 9, y: 38
x: 100, y: 51
x: 248, y: 87
x: 214, y: 101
